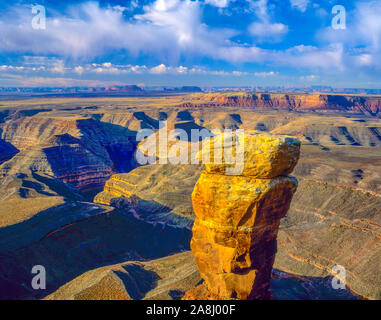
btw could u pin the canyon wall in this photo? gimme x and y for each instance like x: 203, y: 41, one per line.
x: 82, y: 152
x: 368, y: 105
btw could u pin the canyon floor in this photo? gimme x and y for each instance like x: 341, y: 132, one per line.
x: 66, y: 163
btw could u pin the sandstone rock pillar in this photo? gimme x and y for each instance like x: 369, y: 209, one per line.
x: 234, y: 234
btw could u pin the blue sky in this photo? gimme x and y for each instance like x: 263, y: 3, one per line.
x: 184, y: 42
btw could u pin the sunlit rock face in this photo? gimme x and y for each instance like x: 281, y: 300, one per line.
x: 368, y: 105
x: 234, y: 234
x: 263, y: 155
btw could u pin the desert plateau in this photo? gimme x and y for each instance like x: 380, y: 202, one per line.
x: 74, y: 199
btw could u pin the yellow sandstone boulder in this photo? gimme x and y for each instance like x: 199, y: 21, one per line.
x: 263, y: 155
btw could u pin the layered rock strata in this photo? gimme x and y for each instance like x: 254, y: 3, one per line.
x: 79, y: 151
x: 234, y: 234
x: 368, y: 105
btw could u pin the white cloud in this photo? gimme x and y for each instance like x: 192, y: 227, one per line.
x: 174, y: 29
x: 361, y: 40
x: 113, y: 70
x: 365, y: 59
x: 138, y: 69
x: 78, y: 69
x: 265, y: 29
x: 159, y: 69
x: 58, y: 67
x: 265, y: 74
x: 166, y: 30
x: 182, y: 69
x: 330, y: 57
x: 181, y: 19
x: 11, y: 68
x: 310, y: 78
x: 218, y: 3
x: 108, y: 68
x: 301, y: 5
x: 239, y: 73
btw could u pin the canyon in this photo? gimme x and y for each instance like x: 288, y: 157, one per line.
x: 74, y: 199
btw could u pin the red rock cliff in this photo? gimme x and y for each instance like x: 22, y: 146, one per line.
x: 369, y: 105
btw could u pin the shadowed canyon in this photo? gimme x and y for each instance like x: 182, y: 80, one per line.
x: 74, y: 199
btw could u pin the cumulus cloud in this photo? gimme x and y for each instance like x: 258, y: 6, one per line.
x: 166, y: 29
x: 173, y: 31
x: 301, y: 5
x: 159, y: 69
x: 218, y: 3
x: 58, y: 67
x: 265, y: 74
x: 365, y: 59
x: 78, y: 69
x: 329, y: 57
x: 265, y: 28
x: 11, y: 68
x: 361, y: 40
x: 181, y: 70
x: 108, y: 68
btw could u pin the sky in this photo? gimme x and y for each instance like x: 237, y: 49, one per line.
x: 208, y: 43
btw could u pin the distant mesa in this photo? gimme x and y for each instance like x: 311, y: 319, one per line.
x: 367, y: 105
x: 127, y: 89
x: 184, y: 89
x: 130, y: 88
x: 295, y: 101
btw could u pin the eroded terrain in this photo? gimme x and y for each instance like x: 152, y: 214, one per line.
x: 64, y: 163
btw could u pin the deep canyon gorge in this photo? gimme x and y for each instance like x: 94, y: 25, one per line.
x: 74, y: 199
